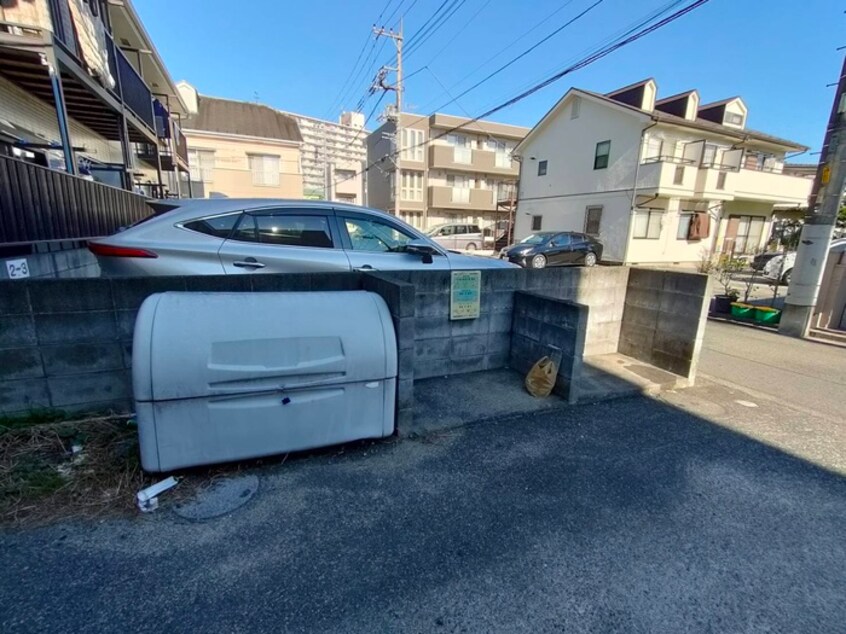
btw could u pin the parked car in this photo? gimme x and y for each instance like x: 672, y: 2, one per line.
x: 458, y: 236
x: 554, y: 248
x: 760, y: 260
x: 774, y: 270
x: 226, y: 235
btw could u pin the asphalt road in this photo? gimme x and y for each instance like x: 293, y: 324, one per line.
x: 712, y: 509
x: 807, y: 374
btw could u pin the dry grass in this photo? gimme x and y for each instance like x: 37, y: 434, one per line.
x: 43, y: 478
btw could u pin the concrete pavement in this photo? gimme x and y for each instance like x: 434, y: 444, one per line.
x: 713, y: 509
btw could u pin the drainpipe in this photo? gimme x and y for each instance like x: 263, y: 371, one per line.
x: 630, y: 227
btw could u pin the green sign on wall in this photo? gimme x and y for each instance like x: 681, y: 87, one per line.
x: 465, y: 294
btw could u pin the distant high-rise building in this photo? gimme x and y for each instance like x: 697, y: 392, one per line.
x: 333, y: 156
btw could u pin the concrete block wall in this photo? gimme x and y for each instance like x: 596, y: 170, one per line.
x: 399, y: 296
x: 545, y: 326
x: 66, y: 258
x: 664, y: 319
x: 67, y: 344
x: 443, y: 347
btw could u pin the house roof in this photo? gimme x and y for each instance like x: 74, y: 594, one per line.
x: 670, y: 119
x: 243, y: 118
x: 675, y: 97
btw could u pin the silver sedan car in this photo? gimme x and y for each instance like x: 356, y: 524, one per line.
x: 227, y: 235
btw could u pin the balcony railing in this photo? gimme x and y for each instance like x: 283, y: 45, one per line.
x: 136, y: 95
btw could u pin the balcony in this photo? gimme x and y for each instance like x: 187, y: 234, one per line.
x: 444, y: 197
x: 477, y: 161
x: 137, y: 96
x: 771, y: 186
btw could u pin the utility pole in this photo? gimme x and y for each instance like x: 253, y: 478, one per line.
x: 823, y: 206
x: 380, y: 81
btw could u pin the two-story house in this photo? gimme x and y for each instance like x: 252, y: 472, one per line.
x: 241, y: 149
x: 465, y: 175
x: 83, y: 90
x: 658, y: 181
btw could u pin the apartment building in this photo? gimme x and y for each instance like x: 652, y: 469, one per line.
x: 333, y: 156
x: 447, y: 174
x: 241, y: 149
x: 84, y: 91
x: 658, y: 180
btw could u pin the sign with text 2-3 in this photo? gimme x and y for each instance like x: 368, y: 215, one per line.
x: 17, y: 269
x: 465, y: 294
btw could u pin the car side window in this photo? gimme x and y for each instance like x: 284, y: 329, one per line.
x: 474, y: 229
x: 294, y: 231
x: 446, y: 231
x: 217, y: 226
x: 461, y: 229
x: 561, y: 241
x: 246, y: 229
x: 376, y: 236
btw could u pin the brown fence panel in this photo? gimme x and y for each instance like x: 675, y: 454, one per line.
x: 37, y: 203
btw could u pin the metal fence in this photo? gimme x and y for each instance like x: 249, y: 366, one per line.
x: 37, y: 203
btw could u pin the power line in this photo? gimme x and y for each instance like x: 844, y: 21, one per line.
x: 457, y: 33
x: 590, y: 59
x: 542, y: 22
x: 526, y: 52
x: 339, y: 97
x: 414, y: 36
x: 436, y: 26
x: 523, y: 54
x: 626, y: 31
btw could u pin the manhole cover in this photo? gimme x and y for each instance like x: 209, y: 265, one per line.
x: 222, y: 497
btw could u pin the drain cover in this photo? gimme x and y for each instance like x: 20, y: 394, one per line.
x: 222, y: 497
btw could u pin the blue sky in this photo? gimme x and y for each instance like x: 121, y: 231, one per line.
x: 296, y: 54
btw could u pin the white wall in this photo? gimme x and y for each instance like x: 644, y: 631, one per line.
x: 571, y: 184
x: 21, y: 108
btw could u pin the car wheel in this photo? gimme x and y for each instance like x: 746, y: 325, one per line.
x: 590, y: 258
x: 538, y: 261
x: 785, y: 277
x: 471, y: 247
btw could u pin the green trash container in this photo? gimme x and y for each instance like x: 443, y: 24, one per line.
x: 769, y: 316
x: 743, y: 311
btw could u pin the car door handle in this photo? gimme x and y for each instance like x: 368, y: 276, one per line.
x: 364, y: 268
x: 248, y: 263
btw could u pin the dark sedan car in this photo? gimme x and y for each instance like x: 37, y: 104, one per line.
x: 554, y: 248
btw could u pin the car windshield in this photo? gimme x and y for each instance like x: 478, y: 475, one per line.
x: 536, y: 238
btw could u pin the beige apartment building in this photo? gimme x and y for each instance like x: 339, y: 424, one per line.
x: 447, y: 175
x: 240, y: 149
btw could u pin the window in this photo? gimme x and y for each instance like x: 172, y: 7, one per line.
x: 678, y: 177
x: 721, y: 180
x: 412, y: 186
x: 537, y: 223
x: 265, y: 169
x: 684, y: 225
x: 732, y: 118
x: 460, y: 188
x: 593, y: 218
x: 461, y: 148
x: 600, y: 158
x: 373, y: 235
x: 749, y: 232
x: 561, y: 240
x: 285, y: 229
x: 542, y: 168
x: 412, y: 144
x: 576, y: 108
x: 217, y: 226
x: 652, y: 148
x: 201, y: 163
x: 647, y: 224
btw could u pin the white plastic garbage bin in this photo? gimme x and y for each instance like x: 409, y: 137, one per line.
x: 229, y: 376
